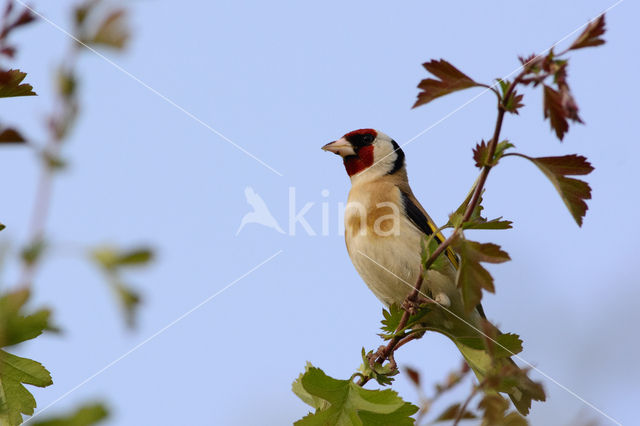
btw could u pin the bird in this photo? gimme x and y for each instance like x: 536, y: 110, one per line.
x: 260, y: 214
x: 384, y: 228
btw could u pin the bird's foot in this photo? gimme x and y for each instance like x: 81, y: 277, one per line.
x: 413, y: 305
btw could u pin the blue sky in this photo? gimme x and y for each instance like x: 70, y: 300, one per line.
x: 281, y: 79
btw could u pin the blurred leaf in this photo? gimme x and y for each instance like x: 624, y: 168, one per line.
x: 452, y: 412
x: 10, y: 84
x: 15, y: 399
x: 31, y: 254
x: 450, y: 80
x: 10, y: 135
x: 130, y: 301
x: 112, y: 31
x: 414, y: 375
x: 509, y: 377
x: 67, y: 83
x: 2, y: 226
x: 53, y: 161
x: 591, y: 35
x: 574, y: 192
x: 110, y: 258
x: 136, y: 257
x: 86, y: 415
x: 349, y: 404
x: 472, y: 277
x: 495, y: 407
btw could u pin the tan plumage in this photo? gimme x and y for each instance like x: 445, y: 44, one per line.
x: 384, y: 226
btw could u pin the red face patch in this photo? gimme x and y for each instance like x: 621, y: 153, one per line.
x: 357, y: 163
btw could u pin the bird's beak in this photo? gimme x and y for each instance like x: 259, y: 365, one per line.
x: 342, y: 147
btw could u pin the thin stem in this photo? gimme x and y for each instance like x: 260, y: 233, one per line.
x: 463, y: 408
x: 385, y: 353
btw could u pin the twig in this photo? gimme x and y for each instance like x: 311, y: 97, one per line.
x: 463, y: 408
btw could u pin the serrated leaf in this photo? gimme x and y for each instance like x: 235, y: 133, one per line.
x: 10, y: 135
x: 507, y: 344
x: 472, y: 277
x: 17, y: 326
x: 574, y: 192
x: 86, y: 415
x: 10, y: 84
x: 452, y: 413
x: 351, y: 405
x: 15, y: 399
x: 450, y: 79
x: 591, y: 35
x: 391, y: 318
x: 513, y: 103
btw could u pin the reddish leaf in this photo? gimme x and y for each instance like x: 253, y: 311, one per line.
x: 10, y: 135
x: 574, y: 192
x: 10, y: 84
x: 472, y: 276
x: 450, y: 80
x: 414, y: 375
x: 481, y: 154
x: 554, y: 111
x: 591, y: 35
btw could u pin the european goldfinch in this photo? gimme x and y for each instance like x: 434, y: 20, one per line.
x: 384, y: 226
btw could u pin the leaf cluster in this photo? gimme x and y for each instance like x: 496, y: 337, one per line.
x: 17, y: 326
x: 343, y: 402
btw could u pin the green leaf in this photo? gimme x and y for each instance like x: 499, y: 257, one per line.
x: 86, y: 415
x: 129, y: 300
x: 508, y: 344
x: 110, y: 258
x: 10, y: 135
x: 452, y: 413
x: 15, y: 399
x: 15, y: 326
x: 574, y: 192
x: 10, y: 84
x: 383, y: 374
x: 482, y: 223
x: 136, y: 257
x: 350, y: 404
x: 2, y: 226
x: 472, y: 277
x: 32, y: 253
x: 591, y: 35
x: 450, y: 79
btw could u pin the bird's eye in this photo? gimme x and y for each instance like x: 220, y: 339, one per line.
x: 367, y: 138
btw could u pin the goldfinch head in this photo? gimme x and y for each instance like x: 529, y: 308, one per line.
x: 368, y: 152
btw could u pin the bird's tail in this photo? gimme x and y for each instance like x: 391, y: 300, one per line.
x: 521, y: 389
